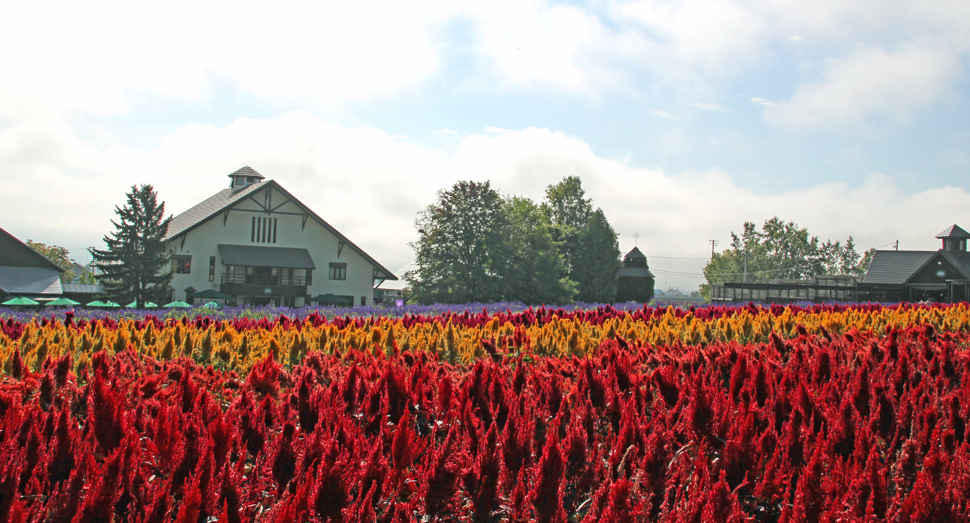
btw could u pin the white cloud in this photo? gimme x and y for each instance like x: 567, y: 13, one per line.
x: 711, y: 107
x: 99, y: 56
x: 764, y: 102
x: 870, y: 81
x: 530, y: 44
x: 68, y: 56
x: 662, y: 114
x: 371, y: 186
x: 704, y: 31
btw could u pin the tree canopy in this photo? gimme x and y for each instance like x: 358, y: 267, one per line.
x: 533, y: 269
x: 595, y: 260
x: 459, y: 246
x: 136, y: 264
x: 586, y: 240
x: 476, y: 245
x: 62, y: 258
x: 781, y: 250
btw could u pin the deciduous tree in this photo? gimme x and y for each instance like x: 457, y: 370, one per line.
x: 57, y: 254
x: 532, y: 267
x: 458, y: 247
x: 780, y: 250
x: 586, y: 240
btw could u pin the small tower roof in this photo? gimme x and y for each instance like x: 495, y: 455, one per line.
x: 635, y: 253
x: 954, y: 231
x: 247, y: 171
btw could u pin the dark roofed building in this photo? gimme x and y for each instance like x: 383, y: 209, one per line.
x: 892, y: 276
x: 26, y: 272
x: 634, y: 281
x: 942, y: 275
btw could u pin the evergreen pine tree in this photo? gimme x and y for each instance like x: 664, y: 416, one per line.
x: 136, y: 264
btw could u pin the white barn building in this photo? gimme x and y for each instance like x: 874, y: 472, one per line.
x: 256, y: 243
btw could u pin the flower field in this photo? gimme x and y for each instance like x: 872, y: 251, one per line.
x: 818, y: 413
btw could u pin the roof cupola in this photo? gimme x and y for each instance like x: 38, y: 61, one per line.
x: 244, y: 178
x: 954, y: 239
x: 635, y: 258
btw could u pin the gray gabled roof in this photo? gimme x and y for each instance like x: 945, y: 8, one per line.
x: 15, y: 253
x: 82, y: 288
x: 895, y: 267
x: 224, y: 199
x: 211, y: 206
x: 30, y: 280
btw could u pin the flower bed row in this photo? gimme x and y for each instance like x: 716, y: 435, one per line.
x: 458, y: 338
x: 817, y: 427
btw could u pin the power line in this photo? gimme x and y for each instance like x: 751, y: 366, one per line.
x: 674, y: 273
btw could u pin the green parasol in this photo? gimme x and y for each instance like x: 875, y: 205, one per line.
x: 19, y: 301
x: 63, y: 302
x: 177, y: 305
x: 148, y: 305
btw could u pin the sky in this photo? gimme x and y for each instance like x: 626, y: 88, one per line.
x: 683, y: 119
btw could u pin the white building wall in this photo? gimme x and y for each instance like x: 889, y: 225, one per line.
x: 323, y: 246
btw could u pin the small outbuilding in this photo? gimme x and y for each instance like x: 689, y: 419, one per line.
x: 634, y: 281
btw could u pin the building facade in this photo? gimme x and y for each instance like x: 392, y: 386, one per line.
x: 260, y: 245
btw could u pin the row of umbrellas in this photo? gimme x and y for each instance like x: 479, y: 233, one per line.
x: 20, y: 301
x: 323, y: 299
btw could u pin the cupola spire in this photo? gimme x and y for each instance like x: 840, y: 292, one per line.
x: 954, y: 238
x: 244, y: 178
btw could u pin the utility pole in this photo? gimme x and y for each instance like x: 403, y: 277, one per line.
x: 713, y: 243
x: 896, y: 246
x: 746, y: 266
